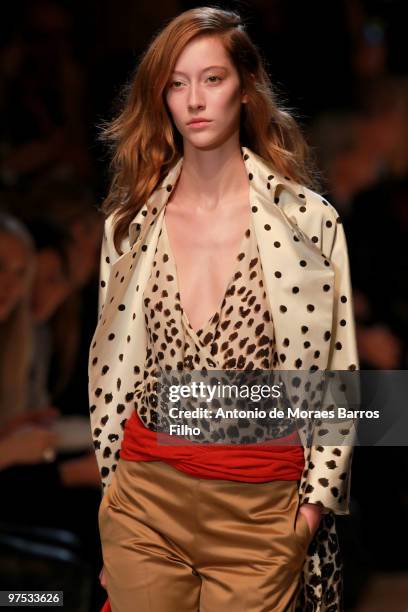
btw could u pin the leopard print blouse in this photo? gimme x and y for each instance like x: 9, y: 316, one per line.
x: 239, y: 336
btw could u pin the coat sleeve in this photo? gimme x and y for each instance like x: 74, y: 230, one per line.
x: 328, y: 477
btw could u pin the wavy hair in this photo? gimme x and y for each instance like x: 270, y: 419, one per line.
x: 144, y: 141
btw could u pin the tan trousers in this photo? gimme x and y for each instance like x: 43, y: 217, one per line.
x: 176, y: 543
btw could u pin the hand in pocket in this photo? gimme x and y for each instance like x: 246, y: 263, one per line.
x: 312, y: 514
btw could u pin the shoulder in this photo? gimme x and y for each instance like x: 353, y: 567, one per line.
x: 299, y: 202
x: 303, y: 206
x: 312, y: 213
x: 108, y: 244
x: 306, y: 205
x: 108, y: 239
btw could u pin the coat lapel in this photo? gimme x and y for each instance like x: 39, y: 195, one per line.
x: 294, y: 267
x: 144, y: 232
x: 295, y: 270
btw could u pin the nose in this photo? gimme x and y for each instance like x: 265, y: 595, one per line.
x: 195, y: 97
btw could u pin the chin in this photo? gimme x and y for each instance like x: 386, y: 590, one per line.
x: 206, y: 144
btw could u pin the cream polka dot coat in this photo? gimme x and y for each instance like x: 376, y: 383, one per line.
x: 304, y: 256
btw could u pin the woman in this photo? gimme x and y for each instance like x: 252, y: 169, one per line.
x: 17, y: 268
x: 228, y: 228
x: 24, y: 436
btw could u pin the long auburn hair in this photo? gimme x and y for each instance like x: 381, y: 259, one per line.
x: 144, y: 141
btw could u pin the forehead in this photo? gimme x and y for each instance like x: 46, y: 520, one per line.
x: 202, y: 52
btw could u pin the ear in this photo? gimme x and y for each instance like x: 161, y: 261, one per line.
x: 245, y: 97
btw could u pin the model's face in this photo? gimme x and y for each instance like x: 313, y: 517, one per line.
x: 51, y: 286
x: 15, y: 271
x: 205, y: 84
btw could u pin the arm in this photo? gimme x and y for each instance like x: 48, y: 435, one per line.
x: 26, y: 445
x: 328, y: 480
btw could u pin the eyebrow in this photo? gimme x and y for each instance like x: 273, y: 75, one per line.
x: 203, y: 70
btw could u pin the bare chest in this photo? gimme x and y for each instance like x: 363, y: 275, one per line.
x: 205, y: 251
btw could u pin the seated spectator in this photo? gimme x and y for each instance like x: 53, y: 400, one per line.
x: 17, y: 268
x: 51, y: 288
x: 32, y: 467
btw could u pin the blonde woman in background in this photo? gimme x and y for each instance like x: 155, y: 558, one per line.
x: 17, y: 271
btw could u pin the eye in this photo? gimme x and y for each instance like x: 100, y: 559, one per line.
x: 175, y: 84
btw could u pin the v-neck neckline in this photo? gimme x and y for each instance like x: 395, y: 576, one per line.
x: 199, y: 332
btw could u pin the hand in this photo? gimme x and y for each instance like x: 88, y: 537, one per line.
x: 26, y: 445
x: 102, y: 578
x: 313, y: 514
x: 42, y: 416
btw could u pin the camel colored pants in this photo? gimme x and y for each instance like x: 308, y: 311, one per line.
x: 177, y: 543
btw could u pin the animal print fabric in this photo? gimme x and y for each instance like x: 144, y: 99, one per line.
x: 239, y: 335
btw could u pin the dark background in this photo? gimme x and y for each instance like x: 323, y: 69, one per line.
x: 341, y: 67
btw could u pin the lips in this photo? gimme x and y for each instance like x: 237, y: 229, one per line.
x: 198, y: 121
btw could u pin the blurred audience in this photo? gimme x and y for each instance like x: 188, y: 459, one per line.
x: 39, y: 266
x: 359, y: 147
x: 51, y: 288
x: 42, y: 92
x: 25, y: 445
x: 365, y: 153
x: 17, y: 269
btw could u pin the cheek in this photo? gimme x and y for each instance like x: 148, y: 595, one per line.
x: 174, y: 104
x: 44, y: 291
x: 57, y: 292
x: 48, y: 297
x: 227, y: 102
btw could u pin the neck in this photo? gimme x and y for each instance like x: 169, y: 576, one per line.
x: 210, y: 179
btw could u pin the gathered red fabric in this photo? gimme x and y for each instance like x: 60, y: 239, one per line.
x: 106, y: 606
x: 279, y: 459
